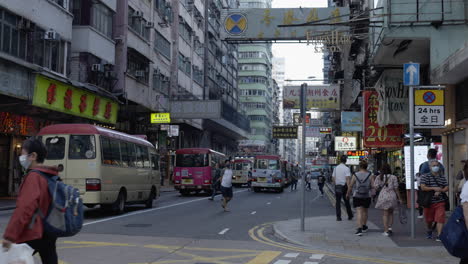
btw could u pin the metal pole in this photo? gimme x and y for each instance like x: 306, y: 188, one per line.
x: 303, y: 114
x: 411, y: 128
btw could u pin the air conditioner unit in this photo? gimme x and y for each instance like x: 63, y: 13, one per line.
x: 149, y: 24
x: 137, y: 14
x: 97, y: 68
x: 51, y: 35
x: 139, y: 74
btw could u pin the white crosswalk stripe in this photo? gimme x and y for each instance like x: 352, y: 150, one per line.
x: 282, y: 261
x: 291, y: 255
x: 308, y: 262
x: 316, y: 256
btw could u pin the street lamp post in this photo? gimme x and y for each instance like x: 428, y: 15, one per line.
x: 303, y: 114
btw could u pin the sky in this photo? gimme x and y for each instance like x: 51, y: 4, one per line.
x: 301, y: 60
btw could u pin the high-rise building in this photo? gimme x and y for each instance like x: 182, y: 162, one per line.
x: 257, y: 86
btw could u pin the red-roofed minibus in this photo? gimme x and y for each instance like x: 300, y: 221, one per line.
x: 267, y: 173
x: 110, y: 168
x: 194, y: 168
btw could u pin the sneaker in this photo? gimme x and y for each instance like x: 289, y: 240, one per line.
x: 438, y: 239
x: 429, y: 234
x: 350, y: 218
x: 358, y: 232
x: 420, y: 216
x: 365, y: 228
x: 386, y: 234
x: 390, y: 231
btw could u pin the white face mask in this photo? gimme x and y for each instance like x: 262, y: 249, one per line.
x: 435, y: 169
x: 25, y: 163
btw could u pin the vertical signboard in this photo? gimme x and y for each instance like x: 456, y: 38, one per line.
x: 376, y: 136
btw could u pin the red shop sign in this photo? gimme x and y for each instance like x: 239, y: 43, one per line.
x: 376, y: 136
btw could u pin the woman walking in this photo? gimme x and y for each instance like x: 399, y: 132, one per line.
x: 362, y: 183
x: 388, y: 197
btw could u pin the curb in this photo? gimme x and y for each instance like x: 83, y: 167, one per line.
x: 7, y: 208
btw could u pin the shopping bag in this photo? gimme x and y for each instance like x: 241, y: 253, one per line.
x: 402, y: 214
x: 454, y: 235
x: 17, y: 254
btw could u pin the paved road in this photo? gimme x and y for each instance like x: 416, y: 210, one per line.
x: 196, y: 230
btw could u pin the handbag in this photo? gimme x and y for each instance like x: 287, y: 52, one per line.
x: 454, y: 235
x: 425, y: 198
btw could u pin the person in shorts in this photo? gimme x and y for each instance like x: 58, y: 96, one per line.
x: 361, y: 185
x: 226, y: 185
x: 436, y: 182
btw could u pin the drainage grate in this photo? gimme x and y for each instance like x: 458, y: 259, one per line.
x: 138, y: 225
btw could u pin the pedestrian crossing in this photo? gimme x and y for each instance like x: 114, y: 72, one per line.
x: 299, y: 258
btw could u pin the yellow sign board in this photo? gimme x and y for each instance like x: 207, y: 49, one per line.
x: 160, y: 118
x: 429, y: 97
x: 58, y: 96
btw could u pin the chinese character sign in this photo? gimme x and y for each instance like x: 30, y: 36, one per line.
x: 376, y: 136
x: 263, y: 23
x: 345, y: 143
x: 61, y: 97
x: 319, y: 97
x: 285, y: 132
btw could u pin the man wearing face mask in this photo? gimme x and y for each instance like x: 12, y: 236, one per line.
x: 435, y: 182
x: 425, y: 168
x: 33, y: 195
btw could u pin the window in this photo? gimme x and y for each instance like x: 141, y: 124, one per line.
x: 162, y: 45
x: 101, y: 18
x: 192, y: 160
x: 110, y: 152
x: 124, y: 152
x: 160, y: 83
x: 253, y: 79
x: 198, y: 75
x: 273, y: 165
x: 261, y: 164
x: 253, y: 67
x: 255, y: 105
x: 252, y: 55
x: 185, y: 65
x: 131, y: 149
x: 55, y: 148
x: 63, y: 3
x: 82, y: 147
x: 142, y: 158
x: 138, y: 66
x: 138, y: 23
x: 185, y: 31
x: 164, y: 9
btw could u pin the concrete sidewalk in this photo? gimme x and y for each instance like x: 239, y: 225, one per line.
x: 7, y: 203
x: 327, y: 233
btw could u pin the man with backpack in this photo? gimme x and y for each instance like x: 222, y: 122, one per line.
x: 361, y: 184
x: 30, y: 221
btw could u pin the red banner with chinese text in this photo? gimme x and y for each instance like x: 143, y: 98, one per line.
x: 376, y: 136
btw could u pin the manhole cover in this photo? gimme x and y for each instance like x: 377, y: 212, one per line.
x: 138, y: 225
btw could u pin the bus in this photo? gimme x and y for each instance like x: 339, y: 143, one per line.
x: 240, y: 171
x: 110, y: 168
x: 267, y: 173
x: 194, y: 168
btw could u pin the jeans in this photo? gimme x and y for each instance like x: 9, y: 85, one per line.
x: 46, y: 247
x: 320, y: 185
x: 338, y: 197
x: 214, y: 188
x: 293, y: 185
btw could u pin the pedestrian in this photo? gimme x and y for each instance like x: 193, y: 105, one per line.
x: 424, y: 168
x: 435, y: 182
x: 294, y: 180
x: 321, y: 182
x: 249, y: 179
x: 360, y: 186
x: 388, y: 198
x: 226, y: 185
x: 464, y: 202
x: 215, y: 181
x: 33, y: 197
x: 341, y: 178
x: 308, y: 179
x: 418, y: 183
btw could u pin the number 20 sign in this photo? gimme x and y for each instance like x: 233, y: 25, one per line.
x: 376, y: 136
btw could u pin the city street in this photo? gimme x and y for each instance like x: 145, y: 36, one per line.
x: 196, y: 230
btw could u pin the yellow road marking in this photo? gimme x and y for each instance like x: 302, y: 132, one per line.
x: 262, y: 239
x: 265, y: 257
x: 223, y: 250
x: 98, y: 243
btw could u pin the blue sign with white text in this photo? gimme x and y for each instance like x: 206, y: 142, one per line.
x: 351, y: 121
x: 411, y: 74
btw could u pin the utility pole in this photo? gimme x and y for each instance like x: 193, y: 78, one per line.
x: 303, y: 114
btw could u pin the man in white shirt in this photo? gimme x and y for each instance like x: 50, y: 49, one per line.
x: 226, y: 185
x: 341, y: 177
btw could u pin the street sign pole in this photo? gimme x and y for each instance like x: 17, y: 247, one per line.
x: 303, y: 114
x: 411, y: 128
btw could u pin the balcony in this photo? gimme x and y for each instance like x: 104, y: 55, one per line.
x: 87, y: 39
x: 423, y: 31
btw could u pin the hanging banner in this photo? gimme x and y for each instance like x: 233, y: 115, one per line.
x: 393, y: 98
x: 376, y: 136
x: 262, y: 24
x: 351, y: 121
x: 319, y: 97
x: 289, y: 132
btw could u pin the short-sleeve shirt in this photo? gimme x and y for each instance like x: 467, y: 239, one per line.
x: 464, y: 193
x: 434, y: 181
x: 340, y: 173
x: 227, y: 178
